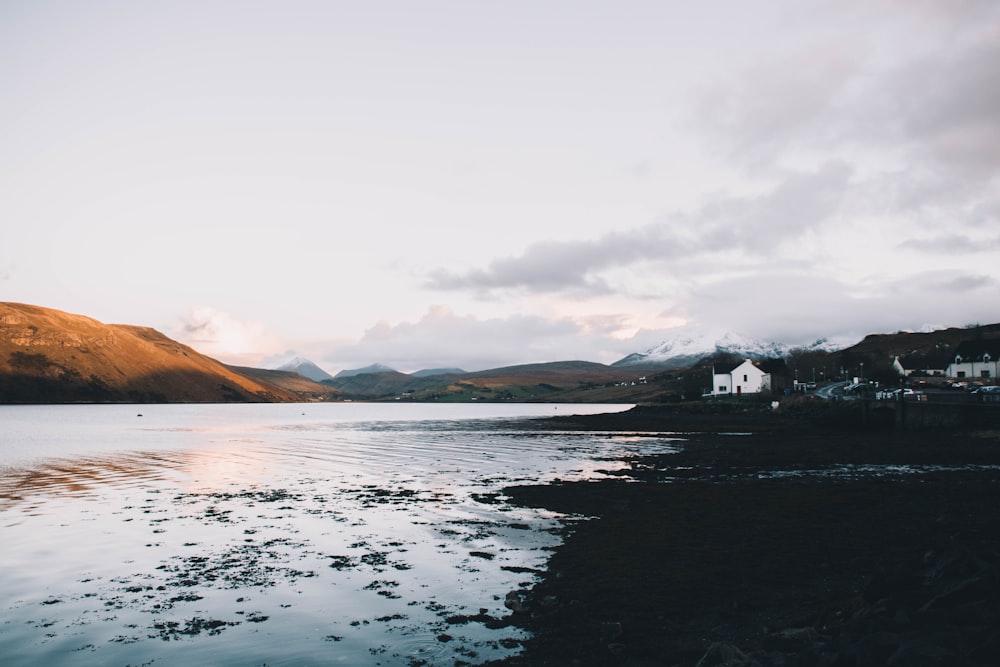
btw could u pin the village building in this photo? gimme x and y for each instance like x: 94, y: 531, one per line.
x: 746, y: 378
x: 976, y: 359
x: 928, y: 365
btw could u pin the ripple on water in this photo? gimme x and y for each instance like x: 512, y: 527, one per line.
x: 301, y: 542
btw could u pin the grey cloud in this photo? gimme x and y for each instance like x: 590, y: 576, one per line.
x: 546, y: 266
x: 760, y: 111
x: 199, y: 331
x: 754, y: 226
x: 567, y: 265
x: 800, y: 203
x: 947, y: 283
x: 955, y: 244
x: 986, y: 211
x: 798, y: 307
x: 935, y: 104
x: 947, y: 106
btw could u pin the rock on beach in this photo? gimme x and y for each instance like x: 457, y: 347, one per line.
x: 793, y: 546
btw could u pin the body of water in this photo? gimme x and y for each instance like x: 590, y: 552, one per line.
x: 279, y: 534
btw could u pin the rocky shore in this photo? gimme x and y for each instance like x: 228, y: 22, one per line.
x: 808, y: 542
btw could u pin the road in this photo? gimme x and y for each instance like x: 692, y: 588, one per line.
x: 829, y: 391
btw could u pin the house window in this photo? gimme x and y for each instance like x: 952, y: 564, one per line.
x: 960, y: 374
x: 723, y: 389
x: 745, y: 378
x: 984, y: 374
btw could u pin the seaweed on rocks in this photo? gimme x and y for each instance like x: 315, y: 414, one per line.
x: 732, y: 563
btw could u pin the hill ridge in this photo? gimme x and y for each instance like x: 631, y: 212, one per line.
x: 50, y: 356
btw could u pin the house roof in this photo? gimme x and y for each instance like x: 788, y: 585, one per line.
x: 919, y: 362
x: 773, y: 366
x: 730, y: 368
x: 975, y: 350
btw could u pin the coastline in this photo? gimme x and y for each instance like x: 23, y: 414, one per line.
x: 810, y: 541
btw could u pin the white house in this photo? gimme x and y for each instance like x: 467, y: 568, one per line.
x: 746, y: 378
x: 932, y: 365
x: 976, y: 359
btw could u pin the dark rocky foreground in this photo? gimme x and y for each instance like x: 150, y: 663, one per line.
x: 808, y: 543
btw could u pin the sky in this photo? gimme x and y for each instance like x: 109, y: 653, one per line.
x: 479, y: 184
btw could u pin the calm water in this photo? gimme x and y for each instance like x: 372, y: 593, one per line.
x: 317, y: 534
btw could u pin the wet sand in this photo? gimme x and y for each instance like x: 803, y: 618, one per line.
x: 810, y: 542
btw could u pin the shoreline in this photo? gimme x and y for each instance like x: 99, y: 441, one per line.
x: 809, y: 542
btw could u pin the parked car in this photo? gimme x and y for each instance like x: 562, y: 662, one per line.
x: 893, y: 394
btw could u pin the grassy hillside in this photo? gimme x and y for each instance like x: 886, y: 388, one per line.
x: 874, y: 355
x: 576, y: 381
x: 48, y: 356
x: 303, y: 387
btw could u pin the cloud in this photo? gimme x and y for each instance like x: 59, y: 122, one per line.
x: 546, y: 266
x: 952, y: 244
x: 753, y: 226
x: 779, y: 101
x: 790, y: 306
x: 442, y: 338
x: 224, y: 337
x: 569, y: 266
x: 936, y: 284
x: 911, y: 82
x: 800, y: 203
x: 796, y: 308
x: 945, y: 105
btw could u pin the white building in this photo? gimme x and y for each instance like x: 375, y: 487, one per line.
x: 746, y: 378
x: 979, y: 359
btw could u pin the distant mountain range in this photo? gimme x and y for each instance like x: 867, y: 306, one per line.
x: 310, y: 370
x: 687, y: 350
x: 525, y: 382
x: 48, y: 356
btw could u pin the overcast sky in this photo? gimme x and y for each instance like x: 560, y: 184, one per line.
x: 477, y: 184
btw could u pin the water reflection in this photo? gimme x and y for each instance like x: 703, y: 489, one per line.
x: 286, y: 541
x: 80, y: 477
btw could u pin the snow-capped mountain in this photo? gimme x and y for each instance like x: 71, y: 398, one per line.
x: 686, y: 350
x: 306, y: 368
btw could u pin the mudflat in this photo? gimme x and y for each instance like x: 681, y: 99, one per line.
x: 787, y: 541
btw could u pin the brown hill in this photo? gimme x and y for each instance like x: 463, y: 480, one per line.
x: 873, y: 356
x: 306, y: 389
x: 571, y: 381
x: 48, y: 356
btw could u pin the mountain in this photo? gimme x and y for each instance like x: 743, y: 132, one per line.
x: 873, y: 355
x: 48, y: 356
x: 304, y: 388
x: 305, y: 368
x: 552, y: 370
x: 428, y: 372
x: 374, y: 368
x: 684, y: 351
x: 378, y: 384
x: 527, y: 382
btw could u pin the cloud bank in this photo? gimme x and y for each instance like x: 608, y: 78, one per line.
x: 870, y: 158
